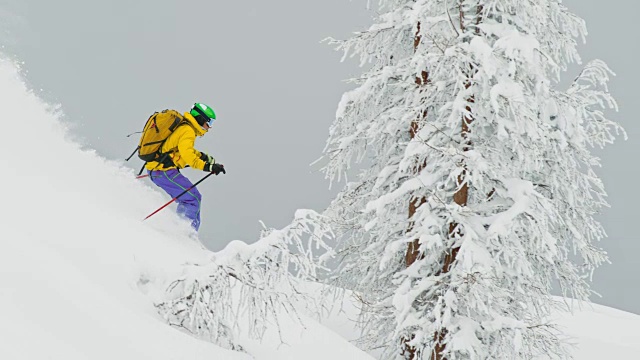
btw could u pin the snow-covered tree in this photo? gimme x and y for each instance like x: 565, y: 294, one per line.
x: 475, y: 188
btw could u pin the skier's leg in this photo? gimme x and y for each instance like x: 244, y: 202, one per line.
x: 174, y: 183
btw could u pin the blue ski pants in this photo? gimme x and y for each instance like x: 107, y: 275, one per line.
x: 174, y: 183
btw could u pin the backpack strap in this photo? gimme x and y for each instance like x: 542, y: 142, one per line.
x: 165, y: 159
x: 133, y: 153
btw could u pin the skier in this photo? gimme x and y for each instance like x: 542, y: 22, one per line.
x: 181, y: 153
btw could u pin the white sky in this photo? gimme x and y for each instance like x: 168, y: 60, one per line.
x: 275, y: 88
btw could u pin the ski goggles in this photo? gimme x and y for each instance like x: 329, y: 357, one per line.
x: 207, y: 120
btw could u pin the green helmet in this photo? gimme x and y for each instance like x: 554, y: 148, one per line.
x: 203, y: 114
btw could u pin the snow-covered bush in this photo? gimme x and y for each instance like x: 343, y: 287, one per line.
x: 245, y: 287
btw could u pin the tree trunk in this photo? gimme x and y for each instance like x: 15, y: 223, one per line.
x: 461, y: 196
x: 413, y: 252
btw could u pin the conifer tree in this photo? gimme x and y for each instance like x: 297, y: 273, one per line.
x: 475, y: 188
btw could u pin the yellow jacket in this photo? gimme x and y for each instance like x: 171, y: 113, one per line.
x: 180, y: 146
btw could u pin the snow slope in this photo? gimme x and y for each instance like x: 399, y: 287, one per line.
x: 72, y: 247
x: 79, y: 270
x: 595, y: 332
x: 600, y: 332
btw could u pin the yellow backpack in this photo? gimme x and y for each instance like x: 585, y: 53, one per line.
x: 155, y: 132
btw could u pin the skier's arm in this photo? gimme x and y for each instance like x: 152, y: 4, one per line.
x: 189, y: 154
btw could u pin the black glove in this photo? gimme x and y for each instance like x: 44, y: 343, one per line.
x: 214, y: 168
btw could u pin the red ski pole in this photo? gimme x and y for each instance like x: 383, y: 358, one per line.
x: 176, y: 198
